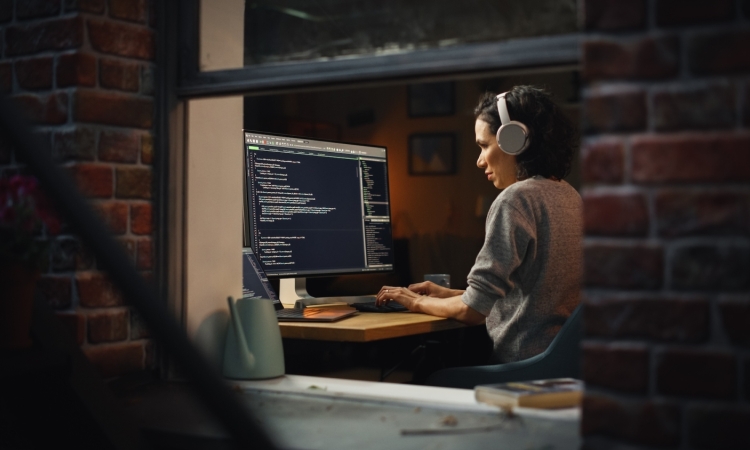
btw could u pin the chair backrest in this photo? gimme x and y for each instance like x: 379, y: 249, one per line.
x: 561, y: 359
x: 564, y: 354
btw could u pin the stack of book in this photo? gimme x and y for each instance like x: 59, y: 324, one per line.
x: 552, y: 393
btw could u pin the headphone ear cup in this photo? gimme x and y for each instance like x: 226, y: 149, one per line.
x: 513, y: 138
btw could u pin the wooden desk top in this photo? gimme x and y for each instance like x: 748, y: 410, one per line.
x: 366, y: 327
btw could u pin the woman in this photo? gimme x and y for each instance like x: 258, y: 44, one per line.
x: 526, y: 279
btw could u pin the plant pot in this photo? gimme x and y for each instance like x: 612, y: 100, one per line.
x: 17, y: 284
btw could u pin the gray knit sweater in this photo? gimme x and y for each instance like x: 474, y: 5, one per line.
x: 527, y: 276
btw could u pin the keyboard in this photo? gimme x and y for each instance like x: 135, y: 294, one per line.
x: 372, y: 307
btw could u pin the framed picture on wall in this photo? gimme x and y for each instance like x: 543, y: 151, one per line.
x: 431, y: 99
x: 432, y: 154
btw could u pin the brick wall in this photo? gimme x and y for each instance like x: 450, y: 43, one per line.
x: 666, y: 167
x: 82, y: 71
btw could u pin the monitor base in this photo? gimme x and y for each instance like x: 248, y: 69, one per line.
x: 293, y: 291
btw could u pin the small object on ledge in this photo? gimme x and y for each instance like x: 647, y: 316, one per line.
x: 552, y: 393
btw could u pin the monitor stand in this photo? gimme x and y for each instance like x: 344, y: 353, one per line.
x: 293, y: 291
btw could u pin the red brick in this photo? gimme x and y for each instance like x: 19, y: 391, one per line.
x: 120, y: 39
x: 76, y: 69
x: 117, y: 359
x: 119, y: 147
x: 692, y: 12
x: 147, y: 149
x: 68, y: 254
x: 688, y: 109
x: 108, y: 326
x: 94, y: 180
x: 663, y: 319
x: 34, y: 73
x: 603, y: 161
x: 635, y: 266
x: 642, y: 58
x: 28, y: 9
x: 132, y: 10
x: 644, y: 422
x: 691, y: 158
x: 46, y: 109
x: 78, y: 144
x: 96, y: 291
x: 138, y: 328
x: 75, y: 324
x: 735, y: 316
x: 56, y: 34
x: 6, y: 77
x: 113, y: 109
x: 718, y: 426
x: 134, y: 182
x: 114, y: 74
x: 710, y: 267
x: 55, y: 290
x: 115, y: 215
x: 140, y: 218
x: 719, y: 52
x: 92, y: 6
x: 616, y: 366
x: 621, y: 111
x: 611, y: 15
x: 145, y: 258
x: 696, y: 373
x: 615, y: 214
x: 128, y: 245
x: 688, y: 213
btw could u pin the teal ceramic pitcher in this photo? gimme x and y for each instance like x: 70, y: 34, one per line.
x: 253, y: 347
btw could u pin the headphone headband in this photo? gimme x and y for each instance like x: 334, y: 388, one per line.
x: 502, y: 108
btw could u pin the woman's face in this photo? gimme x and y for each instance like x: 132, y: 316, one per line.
x: 499, y: 167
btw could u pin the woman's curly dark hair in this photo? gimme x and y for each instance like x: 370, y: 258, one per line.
x: 553, y: 137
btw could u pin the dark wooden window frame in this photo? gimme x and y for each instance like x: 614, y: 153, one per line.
x: 527, y: 53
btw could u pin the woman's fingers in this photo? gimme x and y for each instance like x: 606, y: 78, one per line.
x: 420, y: 288
x: 385, y: 295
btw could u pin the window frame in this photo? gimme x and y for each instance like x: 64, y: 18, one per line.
x: 523, y: 53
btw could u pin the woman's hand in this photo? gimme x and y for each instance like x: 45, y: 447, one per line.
x: 452, y: 307
x: 433, y: 290
x: 401, y: 295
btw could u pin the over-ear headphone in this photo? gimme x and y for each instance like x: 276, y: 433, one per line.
x: 512, y: 136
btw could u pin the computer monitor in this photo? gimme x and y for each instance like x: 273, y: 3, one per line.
x: 316, y: 208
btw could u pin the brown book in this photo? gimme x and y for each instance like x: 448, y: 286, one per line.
x: 552, y: 393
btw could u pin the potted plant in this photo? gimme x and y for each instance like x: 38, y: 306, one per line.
x: 26, y: 222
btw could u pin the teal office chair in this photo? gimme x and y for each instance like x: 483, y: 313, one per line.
x: 561, y: 359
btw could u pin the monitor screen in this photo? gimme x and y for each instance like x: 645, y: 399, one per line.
x: 316, y: 208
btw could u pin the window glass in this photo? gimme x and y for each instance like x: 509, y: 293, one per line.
x: 300, y: 30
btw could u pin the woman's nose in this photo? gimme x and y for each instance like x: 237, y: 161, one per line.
x: 480, y: 162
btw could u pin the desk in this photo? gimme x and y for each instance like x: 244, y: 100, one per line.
x: 367, y: 327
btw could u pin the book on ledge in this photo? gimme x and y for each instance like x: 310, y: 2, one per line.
x: 552, y: 393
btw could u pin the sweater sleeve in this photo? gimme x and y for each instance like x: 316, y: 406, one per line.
x: 508, y: 238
